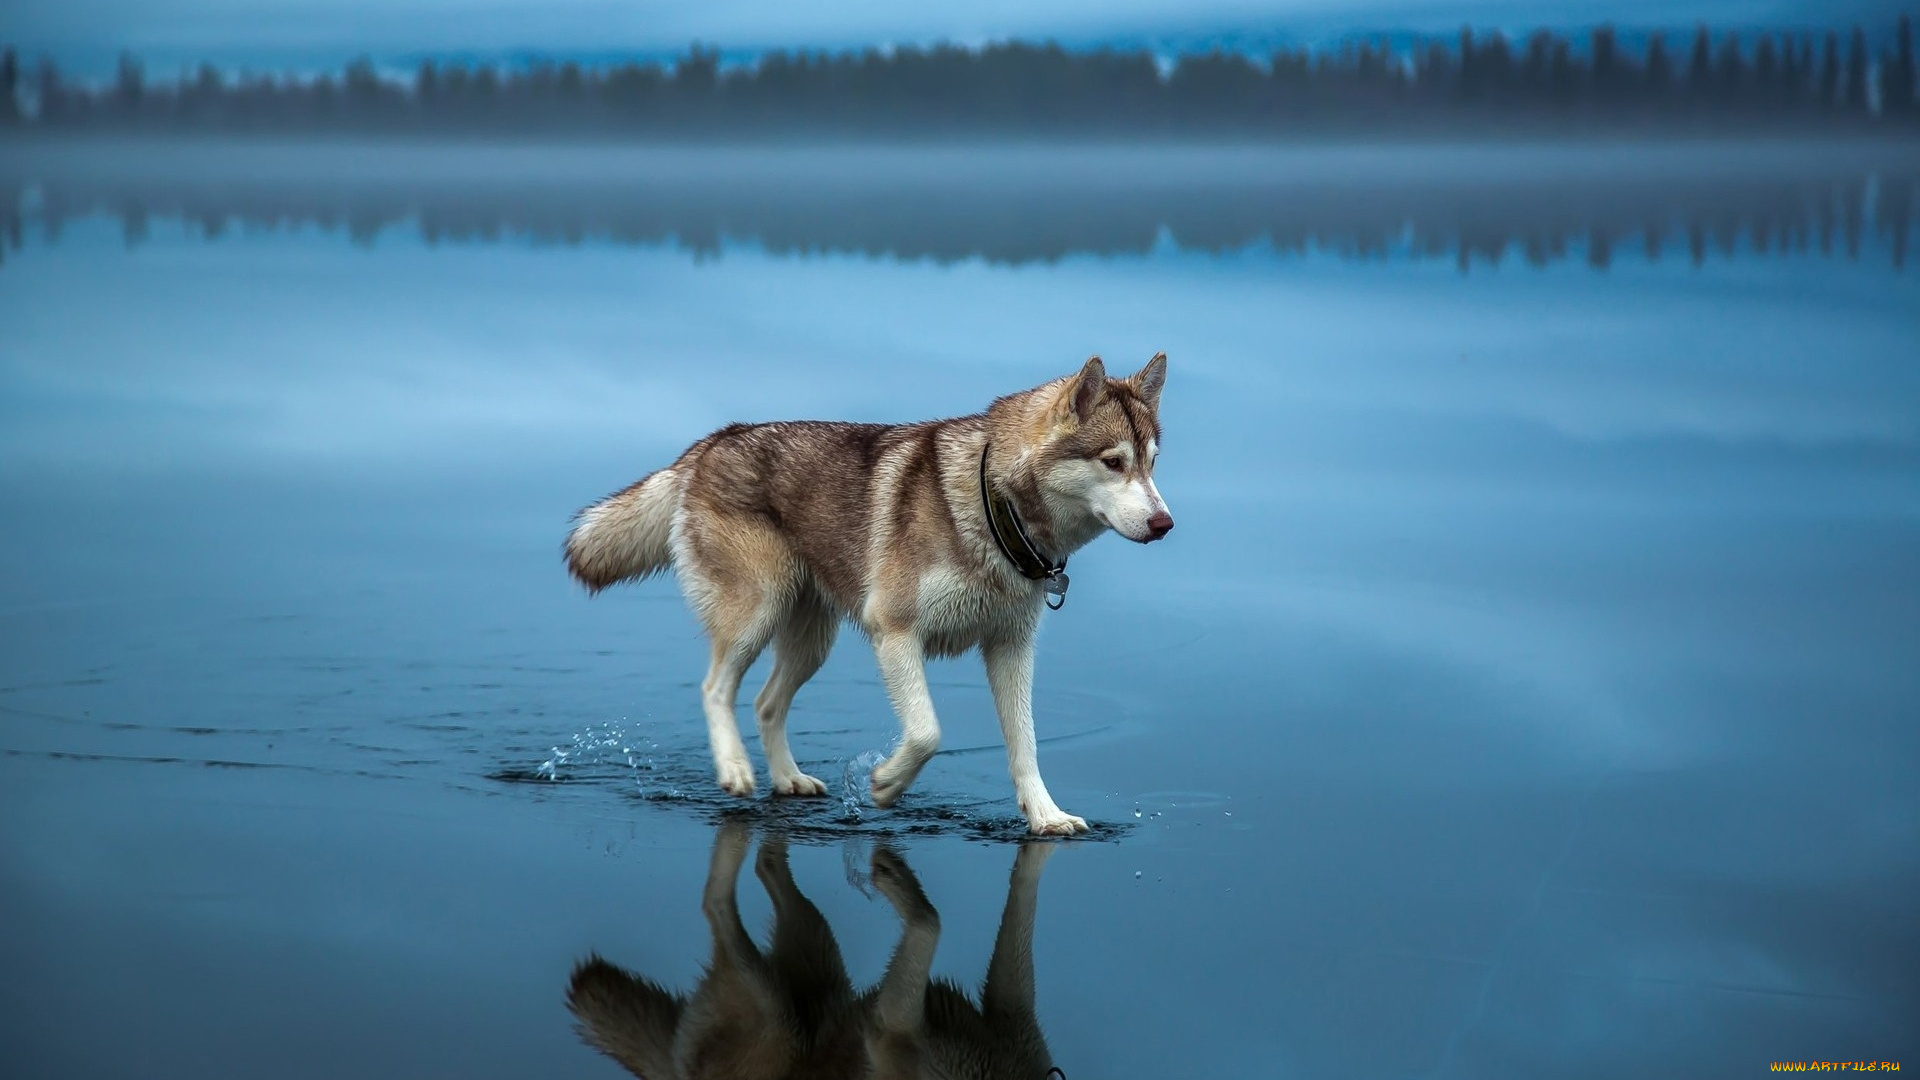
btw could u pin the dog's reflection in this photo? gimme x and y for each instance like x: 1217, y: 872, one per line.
x: 792, y: 1011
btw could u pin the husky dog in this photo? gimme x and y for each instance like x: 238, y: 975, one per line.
x: 792, y: 1010
x: 933, y: 538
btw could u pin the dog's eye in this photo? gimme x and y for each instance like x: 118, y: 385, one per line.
x: 1114, y: 462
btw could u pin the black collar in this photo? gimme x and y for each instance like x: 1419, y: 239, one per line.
x: 1003, y: 519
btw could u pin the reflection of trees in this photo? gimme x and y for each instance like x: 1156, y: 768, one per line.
x: 1600, y: 222
x: 1475, y: 80
x: 12, y: 232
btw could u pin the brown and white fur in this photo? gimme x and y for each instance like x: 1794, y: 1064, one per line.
x: 779, y: 531
x: 792, y: 1011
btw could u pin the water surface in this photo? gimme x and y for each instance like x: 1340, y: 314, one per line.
x: 1527, y: 690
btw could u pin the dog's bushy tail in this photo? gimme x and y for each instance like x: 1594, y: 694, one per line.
x: 626, y: 1017
x: 626, y: 536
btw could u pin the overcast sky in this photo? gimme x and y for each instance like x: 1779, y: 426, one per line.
x: 281, y: 28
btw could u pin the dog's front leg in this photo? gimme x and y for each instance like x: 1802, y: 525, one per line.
x: 903, y: 667
x: 1007, y: 998
x: 1010, y: 673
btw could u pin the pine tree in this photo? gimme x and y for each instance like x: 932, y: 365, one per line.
x: 1469, y: 66
x: 1766, y: 73
x: 129, y: 85
x: 1791, y: 77
x: 9, y: 89
x: 51, y: 93
x: 426, y: 92
x: 1856, y: 88
x: 1730, y: 72
x: 1897, y: 82
x: 1606, y: 63
x: 1659, y: 75
x: 1829, y: 90
x: 1804, y: 89
x: 1700, y: 65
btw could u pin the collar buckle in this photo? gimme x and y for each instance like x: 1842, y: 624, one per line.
x: 1056, y: 588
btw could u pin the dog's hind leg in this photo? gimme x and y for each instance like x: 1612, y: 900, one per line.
x: 740, y: 991
x: 733, y: 947
x: 800, y: 646
x: 732, y: 656
x: 741, y: 579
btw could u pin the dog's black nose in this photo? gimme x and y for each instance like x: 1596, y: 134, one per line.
x: 1159, y: 525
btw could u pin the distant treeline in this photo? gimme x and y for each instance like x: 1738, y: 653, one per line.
x: 1842, y: 211
x: 1479, y: 81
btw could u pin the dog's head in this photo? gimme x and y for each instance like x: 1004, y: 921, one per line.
x: 1102, y: 436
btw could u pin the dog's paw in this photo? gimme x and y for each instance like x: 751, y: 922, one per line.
x: 732, y: 839
x: 771, y: 862
x: 886, y: 791
x: 736, y: 777
x: 896, y: 882
x: 1056, y: 822
x: 799, y: 784
x: 1032, y: 859
x: 887, y: 869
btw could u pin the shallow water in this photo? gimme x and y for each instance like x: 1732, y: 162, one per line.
x: 1528, y: 688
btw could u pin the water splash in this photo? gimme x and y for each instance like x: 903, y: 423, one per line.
x: 854, y: 859
x: 611, y: 756
x: 600, y: 748
x: 855, y: 790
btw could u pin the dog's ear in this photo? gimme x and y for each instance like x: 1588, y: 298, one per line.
x: 1085, y: 390
x: 1148, y: 380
